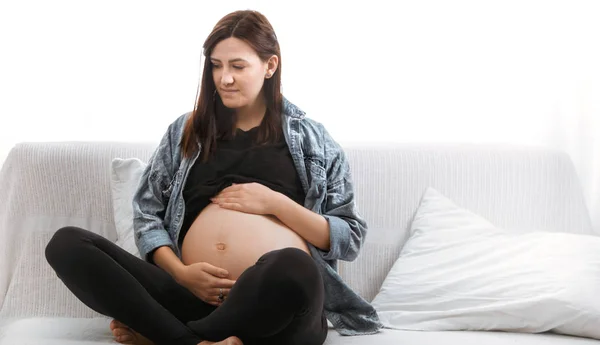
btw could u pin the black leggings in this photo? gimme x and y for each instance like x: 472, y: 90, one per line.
x: 279, y: 300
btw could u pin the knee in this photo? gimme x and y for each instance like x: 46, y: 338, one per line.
x: 286, y: 258
x: 291, y: 265
x: 61, y: 243
x: 294, y: 256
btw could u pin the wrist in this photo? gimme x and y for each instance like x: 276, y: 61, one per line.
x: 179, y: 273
x: 165, y: 258
x: 279, y: 203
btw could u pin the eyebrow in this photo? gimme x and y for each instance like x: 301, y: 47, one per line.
x: 230, y: 61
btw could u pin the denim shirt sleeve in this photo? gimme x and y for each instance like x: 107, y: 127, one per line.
x: 149, y: 201
x: 347, y: 228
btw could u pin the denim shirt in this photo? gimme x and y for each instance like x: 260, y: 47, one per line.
x: 158, y: 208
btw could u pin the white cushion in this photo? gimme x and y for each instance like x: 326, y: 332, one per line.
x: 457, y: 271
x: 125, y: 178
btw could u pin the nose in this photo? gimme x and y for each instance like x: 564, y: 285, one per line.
x: 226, y: 78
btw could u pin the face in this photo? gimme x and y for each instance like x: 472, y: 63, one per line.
x: 239, y: 73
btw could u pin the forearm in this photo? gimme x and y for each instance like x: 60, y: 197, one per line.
x: 165, y: 258
x: 311, y: 226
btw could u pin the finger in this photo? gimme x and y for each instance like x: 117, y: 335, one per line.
x: 233, y: 187
x: 217, y: 200
x: 231, y: 206
x: 223, y: 284
x: 227, y: 194
x: 216, y: 292
x: 210, y: 299
x: 214, y: 270
x: 213, y: 301
x: 230, y: 200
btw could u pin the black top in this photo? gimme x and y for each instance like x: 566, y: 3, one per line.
x: 239, y: 160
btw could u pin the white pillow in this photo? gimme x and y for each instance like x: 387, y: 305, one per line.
x: 457, y: 271
x: 125, y: 176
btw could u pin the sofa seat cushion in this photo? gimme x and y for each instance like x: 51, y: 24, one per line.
x: 95, y: 331
x: 397, y: 337
x: 56, y: 331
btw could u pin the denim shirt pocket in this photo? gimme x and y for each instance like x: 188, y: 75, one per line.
x: 168, y: 196
x: 166, y: 193
x: 317, y: 182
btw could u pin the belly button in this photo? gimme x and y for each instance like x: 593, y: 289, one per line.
x: 220, y: 246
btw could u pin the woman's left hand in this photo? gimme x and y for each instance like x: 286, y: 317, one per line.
x: 247, y: 197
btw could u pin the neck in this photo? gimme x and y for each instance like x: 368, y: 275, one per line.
x: 251, y: 115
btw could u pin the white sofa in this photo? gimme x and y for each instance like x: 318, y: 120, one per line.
x: 44, y: 186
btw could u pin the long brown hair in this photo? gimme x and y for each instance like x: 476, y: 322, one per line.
x: 210, y: 119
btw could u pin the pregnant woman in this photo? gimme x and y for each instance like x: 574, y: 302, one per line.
x: 240, y: 217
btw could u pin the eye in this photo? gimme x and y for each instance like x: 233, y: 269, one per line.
x: 213, y: 65
x: 238, y: 67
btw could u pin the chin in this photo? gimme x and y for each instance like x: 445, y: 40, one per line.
x: 232, y: 104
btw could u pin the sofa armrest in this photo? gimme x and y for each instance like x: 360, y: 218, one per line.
x: 43, y: 187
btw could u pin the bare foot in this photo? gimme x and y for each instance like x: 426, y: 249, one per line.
x: 228, y: 341
x: 126, y: 335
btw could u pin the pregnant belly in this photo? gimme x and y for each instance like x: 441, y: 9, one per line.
x: 235, y: 240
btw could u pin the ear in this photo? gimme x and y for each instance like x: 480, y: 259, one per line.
x: 271, y: 66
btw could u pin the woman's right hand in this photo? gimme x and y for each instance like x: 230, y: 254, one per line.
x: 205, y: 281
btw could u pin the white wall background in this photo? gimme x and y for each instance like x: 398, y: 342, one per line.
x: 521, y: 72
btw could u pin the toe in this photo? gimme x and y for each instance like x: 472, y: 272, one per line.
x: 234, y: 341
x: 117, y: 324
x: 122, y: 332
x: 125, y: 339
